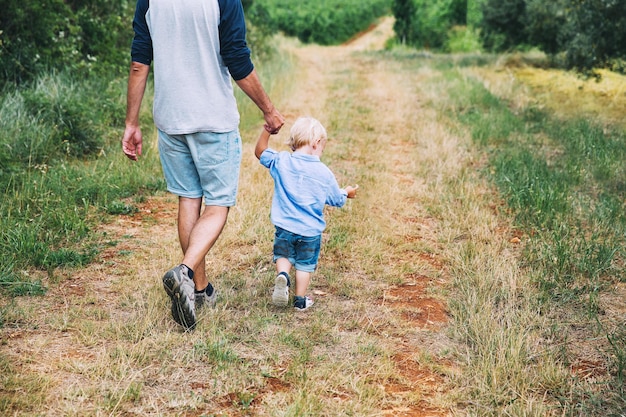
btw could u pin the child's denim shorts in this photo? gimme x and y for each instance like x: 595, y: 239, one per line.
x: 301, y: 251
x: 202, y: 164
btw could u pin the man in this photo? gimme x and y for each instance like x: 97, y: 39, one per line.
x: 196, y: 46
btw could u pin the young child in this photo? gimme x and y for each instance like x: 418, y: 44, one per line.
x: 303, y: 185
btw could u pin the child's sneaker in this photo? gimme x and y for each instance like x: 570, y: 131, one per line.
x: 178, y: 284
x: 302, y: 303
x: 280, y: 296
x: 205, y: 300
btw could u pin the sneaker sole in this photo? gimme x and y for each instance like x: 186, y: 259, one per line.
x: 280, y: 296
x: 181, y: 312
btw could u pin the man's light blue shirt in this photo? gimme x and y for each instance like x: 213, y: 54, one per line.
x: 303, y: 185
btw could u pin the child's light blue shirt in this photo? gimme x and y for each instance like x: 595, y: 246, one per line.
x: 302, y: 186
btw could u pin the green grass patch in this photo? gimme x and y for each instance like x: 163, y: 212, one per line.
x: 61, y: 169
x: 563, y: 180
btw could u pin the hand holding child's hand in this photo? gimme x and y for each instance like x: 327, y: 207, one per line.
x: 351, y: 191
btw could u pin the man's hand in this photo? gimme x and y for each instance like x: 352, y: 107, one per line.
x: 131, y: 142
x: 273, y: 121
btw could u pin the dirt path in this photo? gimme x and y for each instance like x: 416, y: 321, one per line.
x: 101, y: 342
x: 388, y: 113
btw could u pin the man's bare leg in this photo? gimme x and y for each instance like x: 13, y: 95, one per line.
x: 197, y: 233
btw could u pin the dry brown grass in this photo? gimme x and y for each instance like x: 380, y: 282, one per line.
x: 565, y: 94
x: 102, y: 341
x: 424, y: 230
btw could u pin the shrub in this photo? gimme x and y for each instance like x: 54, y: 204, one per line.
x: 436, y: 25
x: 38, y: 36
x: 463, y: 39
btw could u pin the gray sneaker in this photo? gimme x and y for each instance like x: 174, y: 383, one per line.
x: 180, y: 287
x: 205, y: 300
x: 280, y: 296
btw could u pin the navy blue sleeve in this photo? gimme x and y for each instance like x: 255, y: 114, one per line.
x: 233, y: 47
x: 141, y: 49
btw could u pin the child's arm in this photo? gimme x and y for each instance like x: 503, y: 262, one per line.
x: 351, y: 191
x: 262, y: 143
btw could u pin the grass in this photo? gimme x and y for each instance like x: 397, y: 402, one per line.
x: 121, y: 338
x: 560, y: 177
x: 53, y: 201
x: 503, y: 211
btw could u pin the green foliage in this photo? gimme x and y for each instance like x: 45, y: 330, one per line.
x: 259, y: 32
x: 474, y: 13
x: 404, y: 12
x: 503, y: 24
x: 543, y: 22
x: 564, y: 189
x: 432, y: 23
x: 41, y: 35
x: 463, y: 39
x: 27, y: 48
x: 457, y: 12
x: 106, y: 33
x: 120, y: 207
x: 588, y: 33
x: 440, y: 25
x: 69, y: 115
x: 594, y: 34
x: 218, y: 352
x: 327, y: 22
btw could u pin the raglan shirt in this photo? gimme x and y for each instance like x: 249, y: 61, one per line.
x: 303, y: 185
x: 196, y: 46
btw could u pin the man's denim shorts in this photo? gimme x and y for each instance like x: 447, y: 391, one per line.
x: 202, y: 164
x: 301, y: 251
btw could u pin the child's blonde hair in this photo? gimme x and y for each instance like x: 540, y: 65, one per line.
x: 305, y: 131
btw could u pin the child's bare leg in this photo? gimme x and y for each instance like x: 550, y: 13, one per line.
x: 302, y: 282
x: 280, y: 295
x: 283, y: 265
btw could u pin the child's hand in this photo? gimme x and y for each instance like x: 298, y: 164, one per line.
x: 351, y: 191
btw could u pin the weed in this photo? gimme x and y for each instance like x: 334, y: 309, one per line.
x: 120, y: 207
x: 16, y: 284
x: 216, y: 352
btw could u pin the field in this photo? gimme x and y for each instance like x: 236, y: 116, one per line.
x: 478, y: 272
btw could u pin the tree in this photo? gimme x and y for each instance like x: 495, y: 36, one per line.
x: 458, y: 12
x: 544, y: 22
x: 36, y: 36
x: 503, y: 24
x: 594, y: 35
x: 474, y: 13
x: 26, y: 47
x: 404, y: 12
